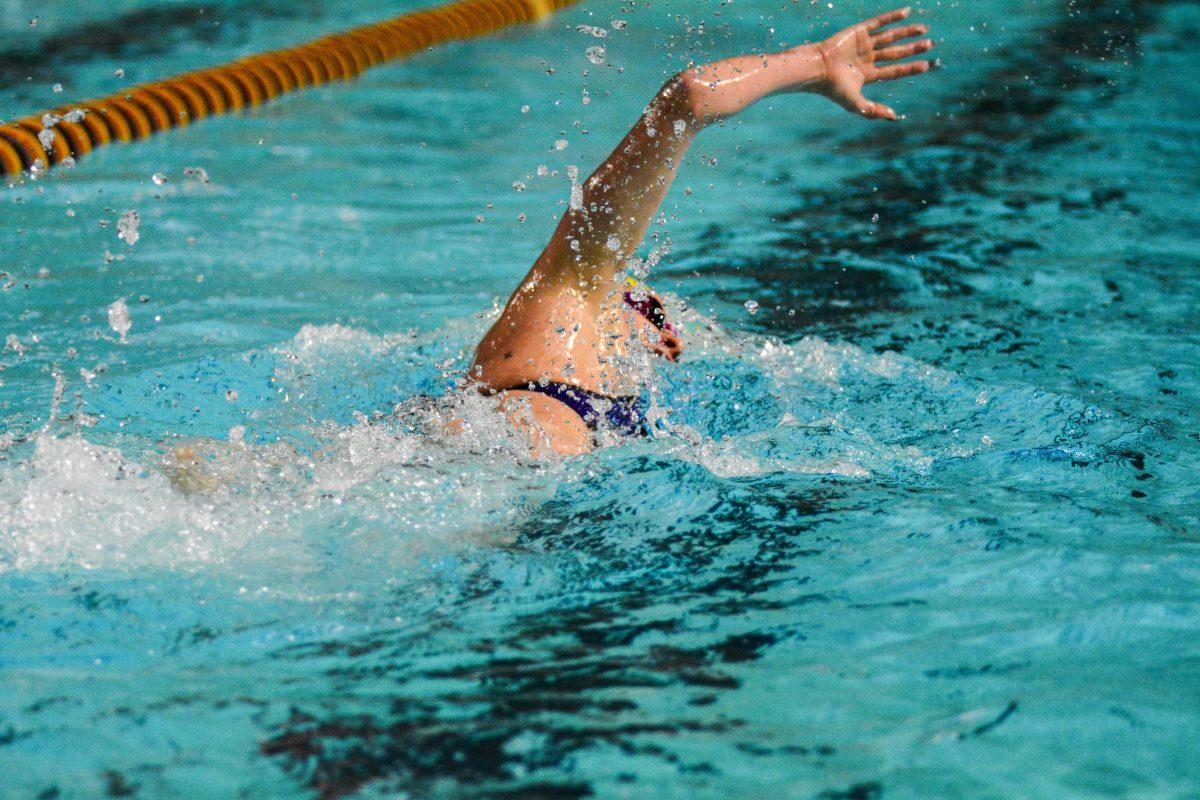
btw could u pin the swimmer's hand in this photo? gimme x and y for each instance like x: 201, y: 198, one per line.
x: 853, y: 57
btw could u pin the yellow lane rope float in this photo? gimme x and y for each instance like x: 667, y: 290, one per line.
x: 41, y: 141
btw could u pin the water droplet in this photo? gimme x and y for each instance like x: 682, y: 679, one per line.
x: 127, y: 227
x: 751, y: 306
x: 595, y: 54
x: 118, y: 318
x: 196, y: 172
x: 13, y: 342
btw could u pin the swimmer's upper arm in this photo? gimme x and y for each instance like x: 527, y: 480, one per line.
x: 611, y: 211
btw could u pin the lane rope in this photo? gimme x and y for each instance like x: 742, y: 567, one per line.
x: 67, y: 133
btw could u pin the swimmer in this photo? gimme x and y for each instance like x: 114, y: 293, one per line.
x: 557, y: 359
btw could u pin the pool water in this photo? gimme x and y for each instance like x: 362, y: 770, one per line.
x: 924, y: 525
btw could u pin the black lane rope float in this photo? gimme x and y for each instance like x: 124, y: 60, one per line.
x: 41, y: 141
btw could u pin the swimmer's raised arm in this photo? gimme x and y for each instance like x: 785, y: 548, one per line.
x: 563, y: 355
x: 612, y: 210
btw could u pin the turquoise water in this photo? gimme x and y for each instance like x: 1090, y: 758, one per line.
x: 924, y: 526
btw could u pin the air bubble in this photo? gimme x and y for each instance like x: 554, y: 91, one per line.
x: 751, y: 306
x: 595, y: 54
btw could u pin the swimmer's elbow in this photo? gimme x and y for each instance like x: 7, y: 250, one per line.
x: 684, y: 95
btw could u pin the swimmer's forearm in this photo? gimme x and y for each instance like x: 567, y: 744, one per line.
x: 723, y: 88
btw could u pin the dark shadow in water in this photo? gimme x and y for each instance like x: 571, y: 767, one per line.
x: 551, y: 683
x: 144, y: 32
x: 836, y: 267
x: 565, y: 679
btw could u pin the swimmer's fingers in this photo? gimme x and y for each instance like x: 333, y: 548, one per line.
x: 887, y: 17
x: 883, y: 38
x: 896, y: 71
x: 872, y: 110
x: 899, y: 51
x: 868, y: 108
